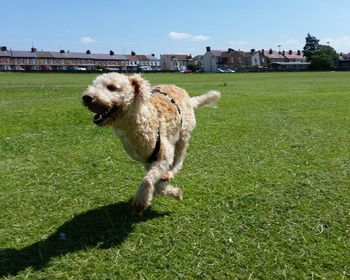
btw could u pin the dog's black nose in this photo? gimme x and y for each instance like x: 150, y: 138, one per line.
x: 87, y: 99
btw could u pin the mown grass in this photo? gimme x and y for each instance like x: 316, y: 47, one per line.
x: 266, y: 184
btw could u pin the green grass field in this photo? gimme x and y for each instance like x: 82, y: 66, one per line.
x: 266, y: 184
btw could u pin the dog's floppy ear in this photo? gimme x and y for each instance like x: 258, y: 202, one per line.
x: 141, y: 86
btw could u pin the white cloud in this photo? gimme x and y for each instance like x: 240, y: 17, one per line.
x: 200, y: 38
x: 179, y: 35
x: 186, y: 36
x: 87, y: 40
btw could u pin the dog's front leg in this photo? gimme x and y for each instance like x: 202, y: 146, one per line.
x: 144, y: 194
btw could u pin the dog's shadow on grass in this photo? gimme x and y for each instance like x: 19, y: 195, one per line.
x: 103, y: 227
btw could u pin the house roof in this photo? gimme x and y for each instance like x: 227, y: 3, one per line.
x: 177, y: 56
x: 217, y: 52
x: 5, y: 53
x: 108, y: 56
x: 98, y: 56
x: 250, y: 54
x: 24, y: 54
x: 44, y: 54
x: 71, y: 55
x: 274, y: 54
x: 346, y: 56
x: 65, y: 55
x: 151, y: 57
x: 132, y: 57
x: 198, y: 57
x: 293, y: 55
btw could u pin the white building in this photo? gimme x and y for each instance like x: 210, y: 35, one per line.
x: 174, y: 62
x: 211, y: 60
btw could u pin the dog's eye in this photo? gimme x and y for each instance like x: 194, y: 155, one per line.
x: 112, y: 88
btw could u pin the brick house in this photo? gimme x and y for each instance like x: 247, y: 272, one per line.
x: 232, y: 59
x: 111, y: 61
x: 5, y: 59
x: 255, y: 59
x: 25, y: 60
x: 198, y: 61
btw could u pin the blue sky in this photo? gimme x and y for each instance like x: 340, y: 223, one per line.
x: 169, y: 26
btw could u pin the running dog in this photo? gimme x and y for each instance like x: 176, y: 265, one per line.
x: 153, y: 123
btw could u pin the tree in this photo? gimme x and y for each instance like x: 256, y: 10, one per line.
x: 311, y: 45
x: 324, y: 58
x: 193, y: 67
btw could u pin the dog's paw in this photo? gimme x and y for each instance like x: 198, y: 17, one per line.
x: 176, y: 193
x: 179, y: 195
x: 143, y: 197
x: 168, y: 176
x: 137, y: 208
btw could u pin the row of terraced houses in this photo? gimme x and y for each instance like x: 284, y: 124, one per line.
x: 211, y: 61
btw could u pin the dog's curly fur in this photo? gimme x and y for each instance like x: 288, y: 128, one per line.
x: 144, y: 117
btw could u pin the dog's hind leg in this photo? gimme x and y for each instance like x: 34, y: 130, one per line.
x: 163, y: 188
x: 180, y: 152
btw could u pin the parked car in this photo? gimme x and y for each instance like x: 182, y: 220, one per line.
x: 80, y: 68
x: 225, y: 70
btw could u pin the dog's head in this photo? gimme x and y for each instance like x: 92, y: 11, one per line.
x: 112, y: 95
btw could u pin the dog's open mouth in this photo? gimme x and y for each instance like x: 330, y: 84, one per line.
x: 102, y: 118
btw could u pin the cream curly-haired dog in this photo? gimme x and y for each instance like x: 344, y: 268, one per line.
x: 153, y: 123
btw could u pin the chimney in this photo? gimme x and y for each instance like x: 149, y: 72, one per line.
x: 111, y: 52
x: 4, y: 48
x: 290, y: 52
x: 33, y: 49
x: 270, y: 51
x: 299, y: 53
x: 263, y: 51
x: 62, y: 51
x: 208, y: 49
x: 283, y: 52
x: 133, y: 53
x: 252, y: 50
x: 229, y: 50
x: 88, y: 52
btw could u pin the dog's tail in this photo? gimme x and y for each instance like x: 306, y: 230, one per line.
x: 208, y: 99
